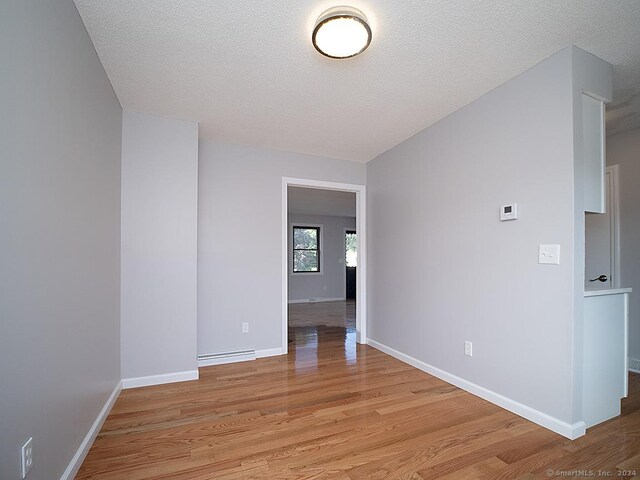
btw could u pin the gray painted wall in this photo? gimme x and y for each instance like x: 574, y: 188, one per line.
x: 461, y: 274
x: 330, y: 283
x: 60, y: 132
x: 624, y: 150
x: 159, y: 235
x: 239, y: 240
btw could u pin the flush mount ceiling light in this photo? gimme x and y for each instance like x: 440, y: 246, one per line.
x: 341, y: 32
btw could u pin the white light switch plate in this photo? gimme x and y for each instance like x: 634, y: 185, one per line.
x: 549, y: 254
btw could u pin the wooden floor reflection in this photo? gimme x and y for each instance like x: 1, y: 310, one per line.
x: 329, y: 314
x: 315, y: 329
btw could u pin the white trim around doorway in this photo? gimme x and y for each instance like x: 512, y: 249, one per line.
x: 613, y: 171
x: 361, y: 272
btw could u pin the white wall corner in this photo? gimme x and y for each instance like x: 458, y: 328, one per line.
x: 160, y: 379
x: 570, y: 431
x: 158, y: 297
x: 83, y: 449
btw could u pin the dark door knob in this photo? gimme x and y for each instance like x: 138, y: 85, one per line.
x: 601, y: 278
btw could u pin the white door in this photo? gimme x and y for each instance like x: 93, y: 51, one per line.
x: 601, y: 241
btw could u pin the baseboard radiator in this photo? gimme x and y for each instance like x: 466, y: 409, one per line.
x: 226, y: 357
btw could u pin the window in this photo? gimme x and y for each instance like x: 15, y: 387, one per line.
x: 306, y: 249
x: 351, y: 248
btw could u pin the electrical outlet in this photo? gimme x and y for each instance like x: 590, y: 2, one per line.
x: 245, y: 327
x: 468, y: 348
x: 27, y: 457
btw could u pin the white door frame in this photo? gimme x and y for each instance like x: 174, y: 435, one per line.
x: 612, y: 170
x: 611, y: 197
x: 361, y: 272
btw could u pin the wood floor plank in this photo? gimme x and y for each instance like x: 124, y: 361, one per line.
x: 489, y: 466
x: 332, y: 409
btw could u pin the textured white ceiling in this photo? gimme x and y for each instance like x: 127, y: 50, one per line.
x: 314, y: 201
x: 246, y: 70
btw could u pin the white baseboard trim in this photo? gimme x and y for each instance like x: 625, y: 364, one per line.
x: 317, y: 300
x: 159, y: 379
x: 268, y: 352
x: 634, y: 365
x: 571, y: 431
x: 83, y: 449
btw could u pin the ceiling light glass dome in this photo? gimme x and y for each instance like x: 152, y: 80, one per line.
x: 341, y: 32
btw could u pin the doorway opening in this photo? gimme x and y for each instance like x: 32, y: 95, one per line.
x: 602, y: 239
x: 323, y: 266
x: 351, y: 264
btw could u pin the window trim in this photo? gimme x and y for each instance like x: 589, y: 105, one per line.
x: 320, y: 228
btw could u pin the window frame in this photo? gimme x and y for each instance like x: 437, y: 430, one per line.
x: 319, y: 229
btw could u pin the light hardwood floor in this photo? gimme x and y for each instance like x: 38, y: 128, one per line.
x: 336, y: 410
x: 328, y: 314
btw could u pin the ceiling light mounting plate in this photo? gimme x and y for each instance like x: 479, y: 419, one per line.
x: 341, y: 32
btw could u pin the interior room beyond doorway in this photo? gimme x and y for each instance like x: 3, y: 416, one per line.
x: 322, y: 263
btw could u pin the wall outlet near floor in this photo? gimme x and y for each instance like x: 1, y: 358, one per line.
x: 468, y: 348
x: 26, y: 457
x: 245, y: 327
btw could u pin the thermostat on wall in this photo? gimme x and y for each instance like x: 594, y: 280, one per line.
x: 509, y: 212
